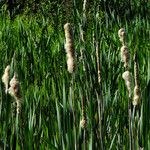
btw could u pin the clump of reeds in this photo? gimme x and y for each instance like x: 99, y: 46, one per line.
x: 5, y: 78
x: 14, y: 91
x: 69, y: 46
x: 127, y: 77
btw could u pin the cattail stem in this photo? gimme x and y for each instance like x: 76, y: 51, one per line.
x: 131, y: 141
x: 98, y: 63
x: 100, y: 98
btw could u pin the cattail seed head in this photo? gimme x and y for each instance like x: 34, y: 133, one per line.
x: 83, y: 123
x: 136, y: 98
x: 69, y: 46
x: 125, y: 56
x: 127, y: 77
x: 121, y: 34
x: 14, y: 89
x: 70, y: 64
x: 5, y: 78
x: 15, y: 92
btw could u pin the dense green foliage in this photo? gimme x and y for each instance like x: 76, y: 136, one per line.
x: 33, y: 44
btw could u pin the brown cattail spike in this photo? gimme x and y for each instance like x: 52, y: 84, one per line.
x: 69, y: 46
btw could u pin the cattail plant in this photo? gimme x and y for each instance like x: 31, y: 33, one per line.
x: 125, y: 56
x: 99, y: 93
x: 15, y: 91
x: 5, y: 78
x: 137, y: 101
x: 69, y: 46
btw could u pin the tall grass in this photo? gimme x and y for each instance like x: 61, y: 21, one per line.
x: 52, y: 110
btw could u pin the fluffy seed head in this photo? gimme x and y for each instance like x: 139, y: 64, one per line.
x: 136, y: 98
x: 67, y: 27
x: 83, y: 123
x: 69, y: 46
x: 127, y: 77
x: 15, y: 92
x: 68, y: 33
x: 70, y: 64
x: 5, y: 77
x: 14, y: 89
x: 125, y: 56
x: 121, y: 34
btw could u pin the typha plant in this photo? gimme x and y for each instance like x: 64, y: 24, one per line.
x: 99, y: 96
x: 137, y: 102
x: 125, y: 57
x: 71, y: 66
